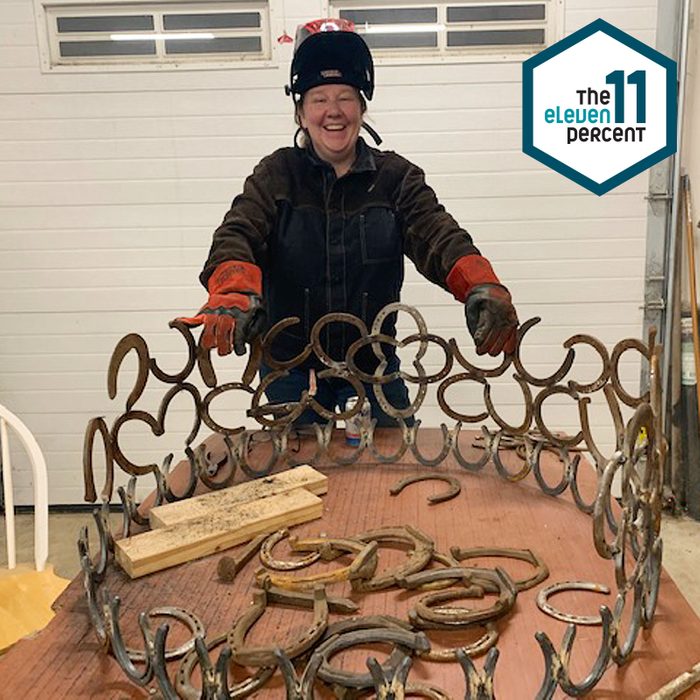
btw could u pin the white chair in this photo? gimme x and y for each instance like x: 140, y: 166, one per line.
x: 41, y: 489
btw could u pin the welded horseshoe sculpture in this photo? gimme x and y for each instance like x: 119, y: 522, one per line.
x: 629, y: 536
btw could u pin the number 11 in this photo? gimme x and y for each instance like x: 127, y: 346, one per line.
x: 639, y: 79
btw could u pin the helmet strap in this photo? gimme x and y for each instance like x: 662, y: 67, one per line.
x: 375, y: 136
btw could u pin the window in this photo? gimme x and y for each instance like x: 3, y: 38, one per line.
x: 457, y: 30
x: 151, y: 35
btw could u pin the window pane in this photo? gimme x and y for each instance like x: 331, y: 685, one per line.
x: 497, y: 37
x: 398, y: 16
x: 107, y: 48
x: 400, y: 41
x: 495, y: 13
x: 243, y: 44
x: 104, y: 23
x: 219, y: 20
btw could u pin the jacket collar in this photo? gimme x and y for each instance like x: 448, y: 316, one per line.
x: 364, y: 161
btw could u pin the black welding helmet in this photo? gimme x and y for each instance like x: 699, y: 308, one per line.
x: 329, y: 51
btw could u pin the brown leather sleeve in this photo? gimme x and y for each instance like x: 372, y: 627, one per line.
x: 243, y: 233
x: 433, y: 240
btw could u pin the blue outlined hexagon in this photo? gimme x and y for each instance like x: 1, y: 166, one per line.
x: 558, y: 70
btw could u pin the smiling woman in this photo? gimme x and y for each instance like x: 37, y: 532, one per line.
x: 321, y: 228
x: 332, y: 116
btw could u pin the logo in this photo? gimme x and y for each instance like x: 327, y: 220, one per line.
x: 331, y: 73
x: 599, y: 107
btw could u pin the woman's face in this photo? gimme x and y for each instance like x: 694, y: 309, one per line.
x: 332, y: 116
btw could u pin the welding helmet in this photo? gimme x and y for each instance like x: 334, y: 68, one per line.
x: 329, y: 51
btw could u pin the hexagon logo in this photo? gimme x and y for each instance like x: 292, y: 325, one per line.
x: 599, y: 107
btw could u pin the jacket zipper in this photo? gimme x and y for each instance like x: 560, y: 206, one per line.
x: 363, y: 243
x: 327, y: 191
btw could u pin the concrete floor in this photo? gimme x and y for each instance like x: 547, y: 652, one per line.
x: 681, y: 547
x: 681, y: 560
x: 64, y: 530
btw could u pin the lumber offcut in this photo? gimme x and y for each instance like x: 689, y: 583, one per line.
x: 199, y: 506
x: 165, y: 547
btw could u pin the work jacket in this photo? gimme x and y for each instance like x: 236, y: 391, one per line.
x: 327, y: 244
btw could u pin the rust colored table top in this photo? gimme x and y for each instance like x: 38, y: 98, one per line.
x: 66, y: 661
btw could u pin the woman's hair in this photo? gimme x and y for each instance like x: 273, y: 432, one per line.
x: 301, y: 138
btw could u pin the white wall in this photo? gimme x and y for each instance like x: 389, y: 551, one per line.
x: 111, y: 184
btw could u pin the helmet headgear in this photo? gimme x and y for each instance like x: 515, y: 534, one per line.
x: 329, y: 51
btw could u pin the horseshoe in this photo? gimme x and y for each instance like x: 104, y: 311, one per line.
x: 265, y: 656
x: 430, y: 613
x: 267, y: 342
x: 94, y: 426
x: 182, y: 375
x: 315, y: 336
x: 554, y: 378
x: 541, y: 573
x: 363, y: 565
x: 135, y: 342
x: 187, y: 618
x: 302, y: 599
x: 417, y: 641
x: 271, y: 563
x: 546, y: 607
x: 438, y: 458
x: 477, y: 648
x: 420, y: 553
x: 454, y: 490
x: 124, y: 462
x: 242, y: 689
x: 593, y: 386
x: 618, y: 350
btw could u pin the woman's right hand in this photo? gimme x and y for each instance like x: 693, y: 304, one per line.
x: 234, y: 313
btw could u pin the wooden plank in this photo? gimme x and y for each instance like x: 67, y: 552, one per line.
x: 304, y: 476
x: 165, y: 547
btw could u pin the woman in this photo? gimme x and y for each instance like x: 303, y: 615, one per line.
x: 322, y: 227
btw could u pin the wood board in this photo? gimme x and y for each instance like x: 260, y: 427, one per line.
x: 165, y: 547
x: 303, y: 476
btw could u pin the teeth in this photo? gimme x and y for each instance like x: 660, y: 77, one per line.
x: 335, y: 127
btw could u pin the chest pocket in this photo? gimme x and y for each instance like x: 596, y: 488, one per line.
x: 380, y: 239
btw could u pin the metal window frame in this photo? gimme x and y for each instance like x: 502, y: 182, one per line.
x: 47, y: 11
x: 553, y: 26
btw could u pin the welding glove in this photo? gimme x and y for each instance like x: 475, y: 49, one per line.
x: 233, y: 315
x: 491, y: 317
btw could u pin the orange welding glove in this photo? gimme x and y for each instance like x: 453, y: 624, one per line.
x: 491, y: 317
x: 234, y: 314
